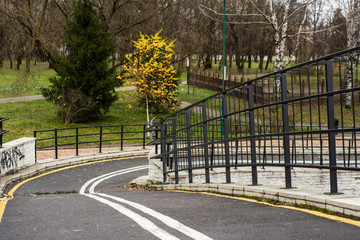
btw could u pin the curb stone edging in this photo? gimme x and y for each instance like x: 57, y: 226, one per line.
x: 344, y: 204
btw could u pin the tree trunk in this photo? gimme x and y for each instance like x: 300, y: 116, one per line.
x: 352, y: 36
x: 261, y: 62
x: 18, y: 63
x: 147, y: 110
x: 28, y: 63
x: 230, y: 62
x: 11, y: 63
x: 249, y: 61
x: 208, y: 62
x: 220, y: 63
x: 348, y: 80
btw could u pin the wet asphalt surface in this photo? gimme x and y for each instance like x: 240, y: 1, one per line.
x: 50, y: 207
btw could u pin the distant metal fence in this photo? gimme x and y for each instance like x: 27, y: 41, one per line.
x: 2, y: 131
x: 306, y: 116
x: 93, y: 136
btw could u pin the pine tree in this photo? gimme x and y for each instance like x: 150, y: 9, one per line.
x: 84, y: 87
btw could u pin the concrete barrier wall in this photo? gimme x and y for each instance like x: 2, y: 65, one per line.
x: 16, y: 155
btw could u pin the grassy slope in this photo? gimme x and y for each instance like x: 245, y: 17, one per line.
x: 15, y: 82
x: 26, y: 117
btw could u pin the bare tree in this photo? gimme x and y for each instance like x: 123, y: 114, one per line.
x: 352, y: 15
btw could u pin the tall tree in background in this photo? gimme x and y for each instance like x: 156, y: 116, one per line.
x: 352, y: 34
x: 84, y: 87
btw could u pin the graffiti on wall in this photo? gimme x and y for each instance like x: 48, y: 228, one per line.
x: 10, y: 159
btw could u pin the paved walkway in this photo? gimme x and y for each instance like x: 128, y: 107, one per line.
x: 37, y: 97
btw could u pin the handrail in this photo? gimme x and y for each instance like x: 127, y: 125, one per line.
x: 115, y: 134
x: 2, y: 132
x: 297, y: 126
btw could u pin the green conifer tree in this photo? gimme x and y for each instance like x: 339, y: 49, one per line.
x: 84, y: 87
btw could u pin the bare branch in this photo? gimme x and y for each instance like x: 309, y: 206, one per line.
x: 272, y: 23
x: 228, y: 14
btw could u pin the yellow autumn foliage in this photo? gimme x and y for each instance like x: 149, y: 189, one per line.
x: 152, y: 71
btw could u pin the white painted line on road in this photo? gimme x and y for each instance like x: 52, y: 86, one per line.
x: 163, y: 218
x: 127, y: 170
x: 143, y: 222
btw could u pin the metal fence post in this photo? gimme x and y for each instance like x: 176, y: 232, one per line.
x: 286, y: 139
x: 188, y: 135
x: 226, y: 139
x: 35, y: 146
x: 144, y: 135
x: 1, y: 138
x: 175, y: 151
x: 331, y: 126
x: 163, y: 150
x: 206, y: 147
x: 100, y: 140
x: 122, y: 137
x: 252, y: 136
x: 56, y: 144
x: 77, y: 141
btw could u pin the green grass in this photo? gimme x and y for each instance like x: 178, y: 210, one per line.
x: 194, y: 94
x: 26, y: 117
x: 15, y: 83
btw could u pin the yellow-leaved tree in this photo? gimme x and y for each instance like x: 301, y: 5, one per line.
x: 153, y: 73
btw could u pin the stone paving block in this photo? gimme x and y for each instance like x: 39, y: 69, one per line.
x: 316, y: 204
x: 185, y: 186
x: 285, y: 193
x: 287, y: 200
x: 157, y: 187
x: 332, y: 208
x: 350, y: 203
x: 203, y: 188
x: 271, y: 196
x: 300, y: 201
x: 194, y: 187
x: 213, y: 187
x: 169, y: 187
x: 317, y: 198
x: 229, y: 191
x: 238, y: 190
x: 352, y: 212
x: 254, y: 192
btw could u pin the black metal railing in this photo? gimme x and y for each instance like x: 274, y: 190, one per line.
x: 305, y: 116
x: 2, y: 131
x: 91, y: 136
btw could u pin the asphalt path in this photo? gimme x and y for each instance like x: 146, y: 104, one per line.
x: 92, y: 202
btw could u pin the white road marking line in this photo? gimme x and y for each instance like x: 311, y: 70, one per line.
x: 107, y: 176
x: 143, y: 222
x: 82, y: 189
x: 163, y: 218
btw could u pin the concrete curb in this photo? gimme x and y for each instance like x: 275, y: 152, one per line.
x: 50, y: 164
x: 345, y: 204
